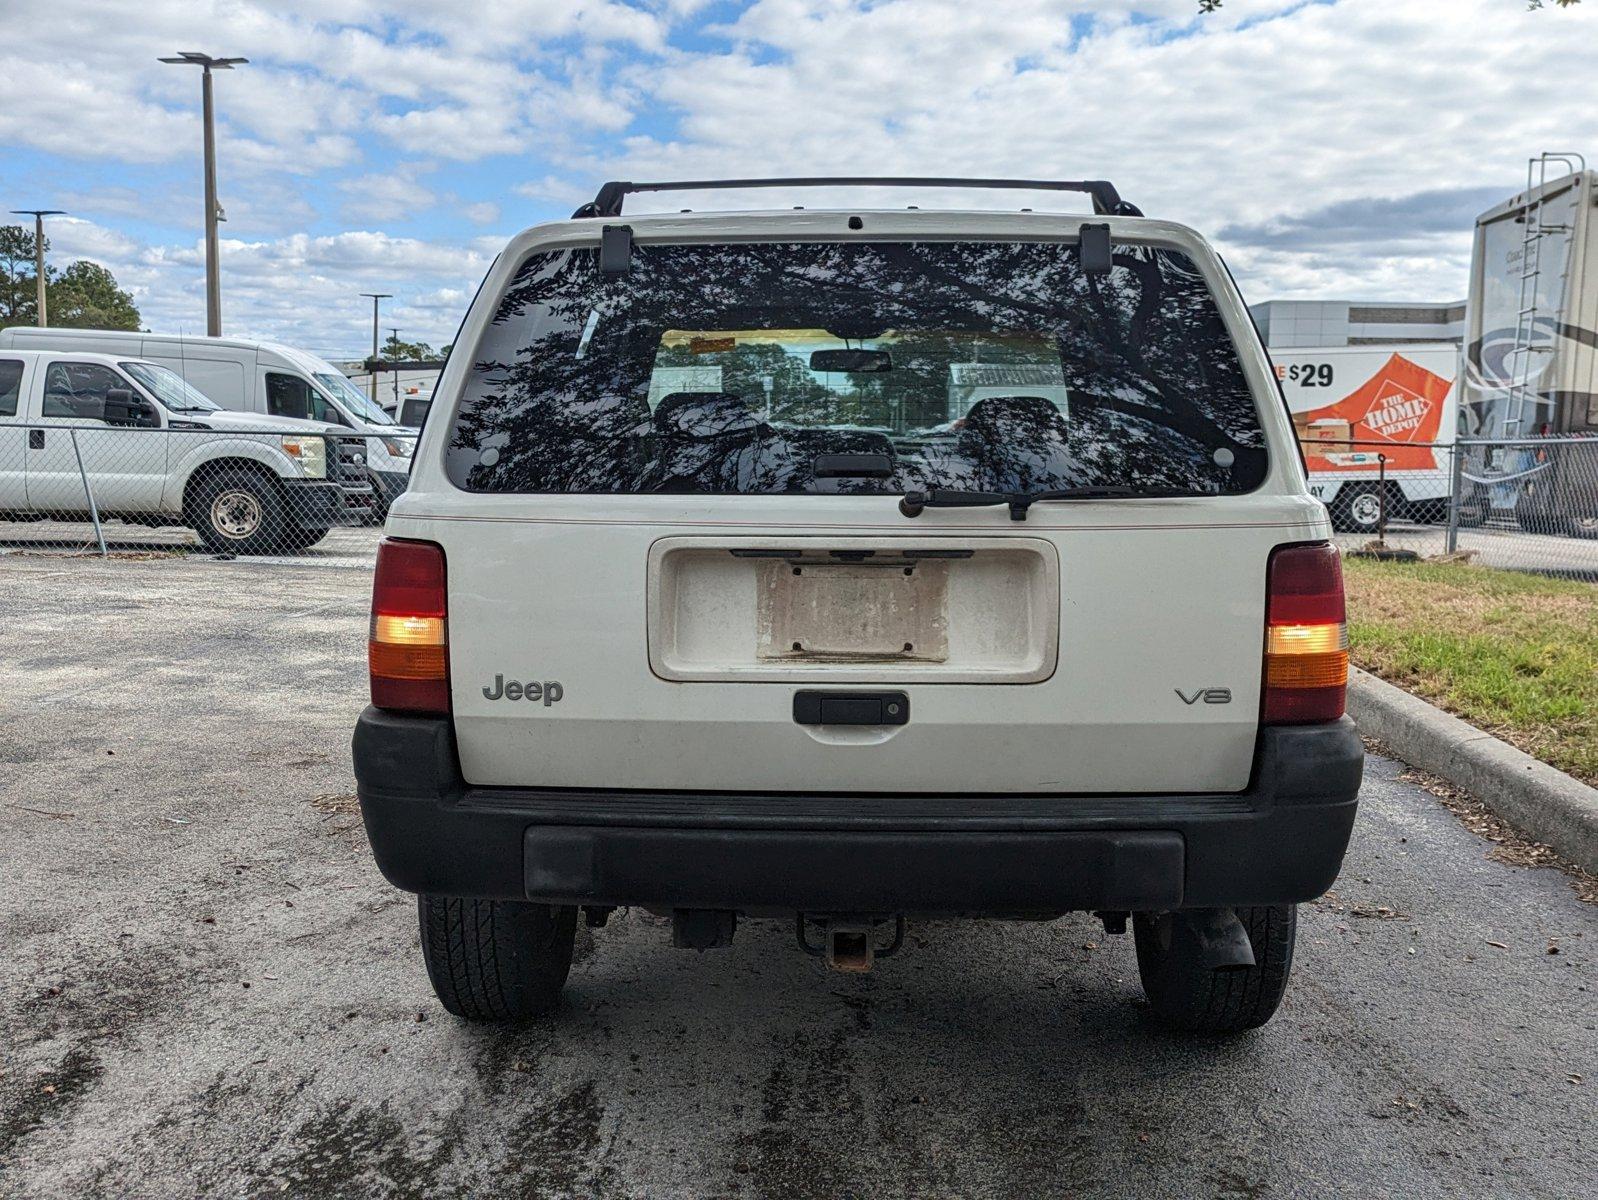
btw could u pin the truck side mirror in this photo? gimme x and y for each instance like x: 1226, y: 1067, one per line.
x: 122, y: 407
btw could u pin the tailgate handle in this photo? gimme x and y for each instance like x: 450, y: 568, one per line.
x: 851, y: 708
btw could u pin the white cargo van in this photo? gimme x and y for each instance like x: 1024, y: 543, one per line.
x: 1354, y: 406
x: 267, y: 378
x: 700, y: 601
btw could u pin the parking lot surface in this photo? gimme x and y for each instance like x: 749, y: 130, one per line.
x: 207, y: 988
x: 356, y: 546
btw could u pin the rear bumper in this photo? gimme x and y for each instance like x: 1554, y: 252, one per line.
x: 1282, y: 841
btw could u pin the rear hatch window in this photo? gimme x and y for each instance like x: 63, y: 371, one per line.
x: 860, y: 368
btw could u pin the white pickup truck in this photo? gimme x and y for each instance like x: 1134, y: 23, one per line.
x: 130, y: 440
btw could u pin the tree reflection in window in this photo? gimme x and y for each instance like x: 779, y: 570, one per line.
x: 690, y: 374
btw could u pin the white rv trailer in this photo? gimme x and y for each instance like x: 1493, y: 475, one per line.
x: 1531, y: 351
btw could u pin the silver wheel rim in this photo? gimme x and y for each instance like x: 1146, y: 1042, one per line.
x: 236, y: 513
x: 1366, y: 509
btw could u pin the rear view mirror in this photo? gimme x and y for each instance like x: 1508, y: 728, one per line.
x: 854, y: 362
x: 122, y: 407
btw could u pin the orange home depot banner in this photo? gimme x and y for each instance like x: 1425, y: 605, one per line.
x: 1395, y: 412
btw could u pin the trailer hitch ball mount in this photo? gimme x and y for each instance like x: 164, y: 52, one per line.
x: 849, y: 940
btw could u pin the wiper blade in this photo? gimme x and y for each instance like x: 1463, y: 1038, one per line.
x: 914, y: 503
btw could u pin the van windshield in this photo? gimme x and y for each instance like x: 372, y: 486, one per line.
x: 353, y: 399
x: 731, y: 369
x: 169, y: 388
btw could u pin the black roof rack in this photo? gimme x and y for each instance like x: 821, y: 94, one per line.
x: 1106, y: 200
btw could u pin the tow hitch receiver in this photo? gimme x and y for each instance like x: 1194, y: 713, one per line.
x: 849, y: 940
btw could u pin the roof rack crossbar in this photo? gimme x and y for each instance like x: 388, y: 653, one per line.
x: 1106, y: 200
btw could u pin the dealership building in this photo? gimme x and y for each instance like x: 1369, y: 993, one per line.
x: 1285, y: 324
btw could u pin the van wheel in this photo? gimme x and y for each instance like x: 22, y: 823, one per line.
x: 496, y: 960
x: 236, y: 511
x: 1223, y: 1000
x: 1358, y: 508
x: 1582, y: 527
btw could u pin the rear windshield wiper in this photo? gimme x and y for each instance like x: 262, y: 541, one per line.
x: 914, y: 502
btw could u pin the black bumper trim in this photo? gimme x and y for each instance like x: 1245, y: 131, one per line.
x: 314, y: 503
x: 1280, y: 841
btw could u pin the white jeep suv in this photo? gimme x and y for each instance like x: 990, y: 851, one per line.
x: 849, y: 566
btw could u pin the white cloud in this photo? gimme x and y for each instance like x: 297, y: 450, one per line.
x: 1267, y: 125
x: 391, y: 195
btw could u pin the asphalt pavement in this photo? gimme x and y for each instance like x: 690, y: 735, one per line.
x: 207, y: 988
x: 1495, y: 546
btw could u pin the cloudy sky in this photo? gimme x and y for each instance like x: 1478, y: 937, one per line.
x: 1332, y: 149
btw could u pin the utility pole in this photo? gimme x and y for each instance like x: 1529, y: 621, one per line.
x: 38, y: 215
x: 213, y: 210
x: 375, y: 297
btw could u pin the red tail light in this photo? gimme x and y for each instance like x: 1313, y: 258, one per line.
x: 407, y: 651
x: 1306, y: 636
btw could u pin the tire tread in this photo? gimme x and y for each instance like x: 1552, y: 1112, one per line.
x: 1220, y: 1002
x: 496, y: 960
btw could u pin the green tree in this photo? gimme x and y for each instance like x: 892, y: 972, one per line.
x: 395, y: 350
x: 18, y: 301
x: 86, y: 296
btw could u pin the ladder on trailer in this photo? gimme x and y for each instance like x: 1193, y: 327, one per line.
x: 1528, y: 357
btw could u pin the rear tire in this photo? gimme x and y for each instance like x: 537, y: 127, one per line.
x: 1220, y: 1001
x: 496, y: 960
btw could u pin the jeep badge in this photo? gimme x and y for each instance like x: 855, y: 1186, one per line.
x: 549, y: 691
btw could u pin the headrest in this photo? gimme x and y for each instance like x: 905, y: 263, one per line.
x: 1000, y: 416
x: 704, y: 414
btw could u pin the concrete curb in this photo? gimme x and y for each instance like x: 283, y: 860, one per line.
x: 1541, y: 802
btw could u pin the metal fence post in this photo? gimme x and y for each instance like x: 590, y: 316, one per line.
x: 88, y: 492
x: 1456, y: 475
x: 1381, y: 498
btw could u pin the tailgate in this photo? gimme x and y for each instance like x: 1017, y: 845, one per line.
x: 1112, y: 657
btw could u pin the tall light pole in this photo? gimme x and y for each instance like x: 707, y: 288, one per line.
x: 213, y: 210
x: 375, y: 297
x: 393, y: 337
x: 38, y: 215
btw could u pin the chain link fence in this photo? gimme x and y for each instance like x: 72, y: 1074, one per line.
x: 246, y: 489
x: 1525, y: 504
x: 251, y: 490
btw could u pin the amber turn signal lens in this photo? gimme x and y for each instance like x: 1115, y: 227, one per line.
x: 1306, y: 636
x: 407, y: 651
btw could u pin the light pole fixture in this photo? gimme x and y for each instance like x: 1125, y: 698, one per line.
x: 213, y: 210
x: 375, y: 298
x: 38, y: 215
